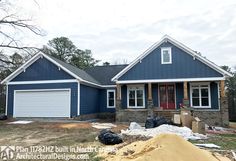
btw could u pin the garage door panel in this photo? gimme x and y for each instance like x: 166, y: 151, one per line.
x: 53, y: 103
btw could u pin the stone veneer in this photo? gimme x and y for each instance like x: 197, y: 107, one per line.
x: 210, y: 117
x: 215, y: 117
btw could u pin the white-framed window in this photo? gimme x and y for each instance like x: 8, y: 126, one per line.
x: 135, y: 96
x: 200, y: 95
x: 166, y: 56
x: 111, y: 101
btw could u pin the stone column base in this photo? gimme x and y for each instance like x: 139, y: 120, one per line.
x: 150, y: 106
x: 224, y: 110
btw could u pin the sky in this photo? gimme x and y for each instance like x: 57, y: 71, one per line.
x: 118, y: 31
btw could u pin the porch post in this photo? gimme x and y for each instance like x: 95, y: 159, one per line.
x: 118, y: 97
x: 222, y: 88
x: 186, y: 99
x: 150, y: 100
x: 224, y: 109
x: 149, y: 91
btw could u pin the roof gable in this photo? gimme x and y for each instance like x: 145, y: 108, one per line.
x: 183, y: 66
x: 72, y: 71
x: 181, y: 46
x: 42, y: 69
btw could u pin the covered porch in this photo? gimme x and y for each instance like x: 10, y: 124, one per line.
x: 136, y: 101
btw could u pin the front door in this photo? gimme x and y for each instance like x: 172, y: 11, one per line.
x: 167, y: 96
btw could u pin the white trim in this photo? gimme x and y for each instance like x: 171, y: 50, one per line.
x: 108, y: 86
x: 178, y: 44
x: 114, y: 91
x: 200, y: 97
x: 26, y: 90
x: 78, y: 100
x: 170, y: 54
x: 43, y: 81
x: 171, y: 80
x: 58, y: 81
x: 40, y: 90
x: 23, y: 67
x: 31, y: 61
x: 140, y: 87
x: 6, y: 100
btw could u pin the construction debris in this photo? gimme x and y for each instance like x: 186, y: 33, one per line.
x: 208, y: 146
x: 3, y: 117
x: 234, y: 155
x: 220, y: 130
x: 108, y: 137
x: 164, y: 147
x: 156, y: 121
x: 185, y: 132
x: 103, y: 125
x: 176, y: 119
x: 198, y: 126
x: 135, y: 125
x: 20, y: 122
x: 186, y: 117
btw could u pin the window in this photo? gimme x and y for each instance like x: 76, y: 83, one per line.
x: 135, y: 97
x: 166, y: 57
x: 110, y: 98
x: 200, y: 95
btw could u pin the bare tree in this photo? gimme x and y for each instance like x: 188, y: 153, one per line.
x: 12, y: 25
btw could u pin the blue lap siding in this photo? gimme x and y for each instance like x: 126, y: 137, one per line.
x: 183, y: 66
x: 214, y: 96
x: 179, y: 94
x: 89, y: 99
x: 103, y: 101
x: 42, y: 69
x: 124, y: 96
x: 72, y: 86
x: 93, y: 100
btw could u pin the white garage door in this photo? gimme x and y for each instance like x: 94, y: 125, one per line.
x: 42, y: 103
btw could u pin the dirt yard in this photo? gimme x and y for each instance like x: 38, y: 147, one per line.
x: 76, y: 134
x: 50, y: 134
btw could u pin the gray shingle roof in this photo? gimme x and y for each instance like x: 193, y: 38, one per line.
x: 82, y: 74
x: 104, y: 74
x: 101, y: 75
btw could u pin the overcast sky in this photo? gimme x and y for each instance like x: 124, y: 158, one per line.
x: 117, y: 30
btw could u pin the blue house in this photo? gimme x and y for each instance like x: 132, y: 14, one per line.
x: 158, y: 82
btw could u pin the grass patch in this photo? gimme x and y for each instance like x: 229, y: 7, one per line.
x: 226, y: 141
x: 93, y: 157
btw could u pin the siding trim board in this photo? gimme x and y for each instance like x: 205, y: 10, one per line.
x: 43, y: 81
x: 78, y: 104
x: 189, y: 51
x: 171, y: 80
